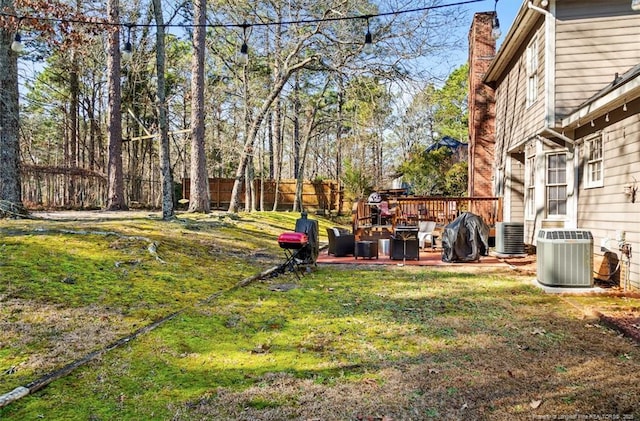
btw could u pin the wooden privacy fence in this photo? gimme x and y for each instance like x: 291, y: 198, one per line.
x: 57, y: 188
x: 318, y: 195
x: 443, y: 210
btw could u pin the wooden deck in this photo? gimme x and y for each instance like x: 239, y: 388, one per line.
x: 411, y: 210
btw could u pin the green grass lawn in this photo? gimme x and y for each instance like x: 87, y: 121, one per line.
x: 345, y: 343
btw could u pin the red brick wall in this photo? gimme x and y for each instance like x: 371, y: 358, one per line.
x: 482, y: 50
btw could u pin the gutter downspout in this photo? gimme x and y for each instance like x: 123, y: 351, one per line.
x: 539, y: 9
x: 549, y: 60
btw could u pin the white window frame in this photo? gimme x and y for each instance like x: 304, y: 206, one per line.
x: 532, y: 65
x: 556, y: 184
x: 594, y: 161
x: 530, y: 187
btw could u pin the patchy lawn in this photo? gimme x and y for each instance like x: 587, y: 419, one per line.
x: 341, y: 343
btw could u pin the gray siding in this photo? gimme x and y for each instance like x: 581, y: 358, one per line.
x: 515, y: 121
x: 604, y: 210
x: 594, y: 41
x: 516, y: 186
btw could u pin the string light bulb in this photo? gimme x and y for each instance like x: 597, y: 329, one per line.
x: 17, y: 45
x: 606, y: 118
x: 368, y: 40
x: 127, y: 52
x: 624, y: 107
x: 495, y: 23
x: 243, y: 57
x: 635, y: 5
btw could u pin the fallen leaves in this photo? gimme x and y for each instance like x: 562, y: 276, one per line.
x: 535, y: 404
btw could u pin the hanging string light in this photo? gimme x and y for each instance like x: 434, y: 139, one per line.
x: 495, y: 24
x: 635, y: 5
x: 243, y: 56
x: 17, y: 45
x: 368, y: 39
x: 127, y: 52
x: 235, y: 25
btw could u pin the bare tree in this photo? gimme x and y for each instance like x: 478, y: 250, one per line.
x: 199, y: 196
x: 310, y: 115
x: 115, y: 179
x: 292, y: 62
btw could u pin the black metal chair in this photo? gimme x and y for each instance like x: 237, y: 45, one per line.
x: 341, y: 242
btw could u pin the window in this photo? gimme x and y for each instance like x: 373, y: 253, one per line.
x: 556, y: 184
x: 594, y: 169
x: 530, y: 211
x: 532, y: 72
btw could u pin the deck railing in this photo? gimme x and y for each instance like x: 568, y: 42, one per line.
x: 410, y: 210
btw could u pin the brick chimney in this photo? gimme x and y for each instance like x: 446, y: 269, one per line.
x: 482, y: 50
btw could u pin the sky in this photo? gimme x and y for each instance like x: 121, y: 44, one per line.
x: 507, y: 10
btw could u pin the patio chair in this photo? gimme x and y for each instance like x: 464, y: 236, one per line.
x: 385, y: 212
x: 425, y: 233
x: 341, y: 242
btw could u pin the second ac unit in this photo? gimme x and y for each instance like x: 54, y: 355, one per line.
x: 565, y: 258
x: 510, y: 238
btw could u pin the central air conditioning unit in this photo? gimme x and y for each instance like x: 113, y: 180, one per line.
x: 510, y: 238
x: 565, y: 258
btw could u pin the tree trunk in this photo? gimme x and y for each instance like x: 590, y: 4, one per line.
x: 10, y: 183
x: 74, y: 109
x: 277, y: 150
x: 296, y: 128
x: 115, y: 178
x: 248, y: 176
x: 311, y: 113
x: 199, y: 197
x: 165, y: 161
x: 339, y: 133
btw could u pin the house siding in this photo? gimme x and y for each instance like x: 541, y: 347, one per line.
x: 516, y: 121
x: 516, y: 187
x: 594, y: 41
x: 589, y: 44
x: 606, y: 210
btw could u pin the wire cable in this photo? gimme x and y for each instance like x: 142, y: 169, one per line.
x: 99, y: 22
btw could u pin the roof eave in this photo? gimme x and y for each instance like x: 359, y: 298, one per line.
x: 615, y: 98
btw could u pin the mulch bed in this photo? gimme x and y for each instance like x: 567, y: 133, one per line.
x: 626, y: 322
